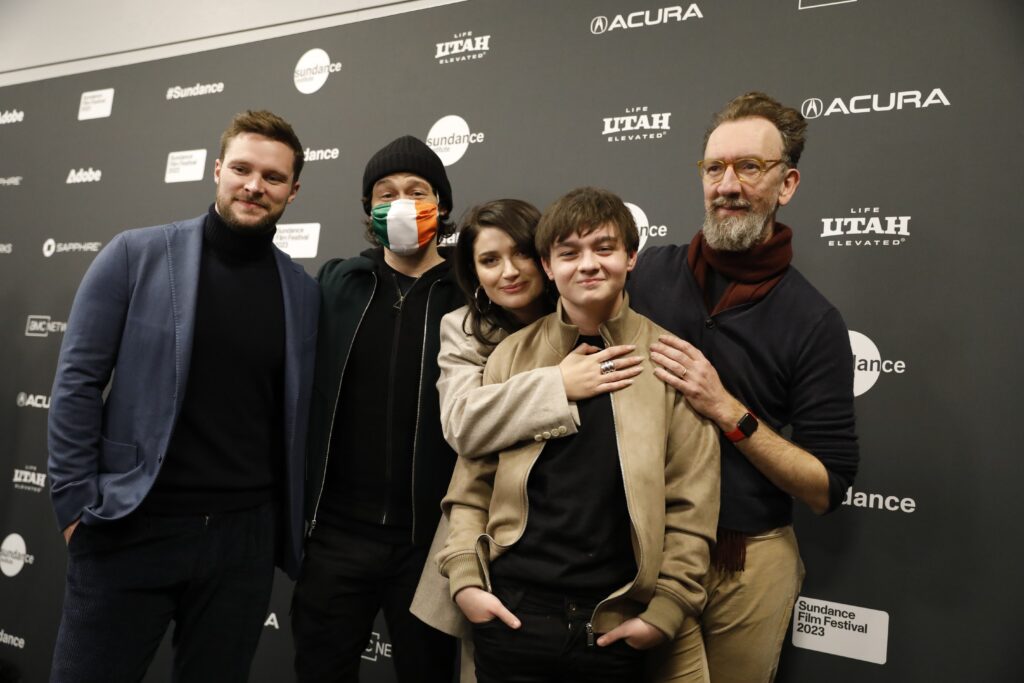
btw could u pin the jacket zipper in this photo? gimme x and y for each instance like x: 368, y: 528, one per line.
x: 330, y: 433
x: 397, y: 307
x: 419, y: 405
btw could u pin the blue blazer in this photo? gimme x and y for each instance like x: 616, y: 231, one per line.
x: 131, y: 327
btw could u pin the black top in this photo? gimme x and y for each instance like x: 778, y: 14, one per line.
x: 578, y: 532
x: 787, y: 358
x: 227, y: 449
x: 368, y: 485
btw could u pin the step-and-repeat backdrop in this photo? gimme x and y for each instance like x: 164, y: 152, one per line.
x: 908, y: 219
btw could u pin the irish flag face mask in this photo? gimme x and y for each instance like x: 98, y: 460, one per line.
x: 405, y: 226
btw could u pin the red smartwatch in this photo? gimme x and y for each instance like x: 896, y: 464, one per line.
x: 746, y: 426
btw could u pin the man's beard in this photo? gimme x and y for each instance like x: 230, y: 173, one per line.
x: 227, y: 214
x: 735, y: 233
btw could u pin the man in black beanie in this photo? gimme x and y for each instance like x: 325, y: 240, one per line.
x: 378, y: 464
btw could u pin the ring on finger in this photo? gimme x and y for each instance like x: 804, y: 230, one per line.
x: 607, y: 366
x: 683, y: 373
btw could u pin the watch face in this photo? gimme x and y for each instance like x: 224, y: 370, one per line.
x: 747, y: 424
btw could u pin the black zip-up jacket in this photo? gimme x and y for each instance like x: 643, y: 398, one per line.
x: 347, y: 289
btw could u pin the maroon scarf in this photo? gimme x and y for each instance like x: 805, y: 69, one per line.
x: 753, y: 272
x: 752, y: 275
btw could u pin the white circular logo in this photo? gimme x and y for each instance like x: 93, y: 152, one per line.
x: 12, y: 555
x: 812, y: 108
x: 312, y: 70
x: 866, y: 356
x: 598, y: 25
x: 22, y: 399
x: 640, y: 218
x: 49, y: 246
x: 449, y: 138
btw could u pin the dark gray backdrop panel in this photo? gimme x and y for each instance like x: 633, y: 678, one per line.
x: 941, y: 300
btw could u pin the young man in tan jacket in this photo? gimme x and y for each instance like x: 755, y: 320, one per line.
x: 621, y: 515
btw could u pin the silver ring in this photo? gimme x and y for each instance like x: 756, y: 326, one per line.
x: 607, y: 366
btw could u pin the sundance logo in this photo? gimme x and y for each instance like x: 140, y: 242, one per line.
x: 11, y: 639
x: 29, y: 479
x: 813, y: 107
x: 643, y: 225
x: 84, y: 175
x: 32, y: 400
x: 312, y: 70
x: 602, y: 24
x: 450, y: 138
x: 13, y: 556
x: 177, y: 92
x: 328, y: 154
x: 42, y: 326
x: 637, y: 124
x: 51, y: 247
x: 11, y: 116
x: 13, y: 180
x: 878, y: 501
x: 868, y: 365
x: 462, y: 48
x: 864, y: 227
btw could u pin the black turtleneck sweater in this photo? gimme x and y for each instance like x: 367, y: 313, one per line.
x: 227, y: 449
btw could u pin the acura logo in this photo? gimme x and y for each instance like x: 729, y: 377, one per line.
x: 599, y: 25
x: 811, y: 108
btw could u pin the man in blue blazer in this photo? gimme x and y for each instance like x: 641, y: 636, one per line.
x: 177, y: 427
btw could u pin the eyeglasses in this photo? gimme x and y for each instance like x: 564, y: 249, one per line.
x: 747, y: 170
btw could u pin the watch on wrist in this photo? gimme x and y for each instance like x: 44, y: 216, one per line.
x: 746, y: 426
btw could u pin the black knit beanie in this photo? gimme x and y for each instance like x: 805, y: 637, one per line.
x: 407, y: 155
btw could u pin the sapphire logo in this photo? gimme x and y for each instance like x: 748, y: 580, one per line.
x: 868, y: 365
x: 814, y: 107
x: 51, y: 247
x: 450, y: 137
x: 865, y: 227
x: 643, y: 226
x: 29, y: 479
x: 312, y: 70
x: 643, y: 18
x: 13, y: 555
x: 42, y: 326
x: 462, y: 48
x: 637, y: 124
x: 11, y: 116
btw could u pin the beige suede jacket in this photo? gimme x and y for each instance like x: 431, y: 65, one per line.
x: 670, y: 466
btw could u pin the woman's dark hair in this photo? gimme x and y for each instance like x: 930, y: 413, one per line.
x: 518, y: 220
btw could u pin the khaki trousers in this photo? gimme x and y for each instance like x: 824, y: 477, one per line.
x: 747, y: 613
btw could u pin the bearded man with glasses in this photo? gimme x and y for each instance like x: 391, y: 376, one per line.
x: 763, y: 351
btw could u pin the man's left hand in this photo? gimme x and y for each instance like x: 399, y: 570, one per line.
x: 637, y: 633
x: 681, y: 365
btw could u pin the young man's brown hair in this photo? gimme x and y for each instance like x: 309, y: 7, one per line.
x: 269, y: 125
x: 582, y: 211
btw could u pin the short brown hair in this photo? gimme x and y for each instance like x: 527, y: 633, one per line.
x: 788, y: 121
x: 583, y: 211
x: 269, y: 125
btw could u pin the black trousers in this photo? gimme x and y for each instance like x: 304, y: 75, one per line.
x: 552, y: 645
x: 346, y: 579
x: 128, y: 579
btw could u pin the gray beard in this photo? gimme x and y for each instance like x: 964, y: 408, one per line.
x: 735, y: 233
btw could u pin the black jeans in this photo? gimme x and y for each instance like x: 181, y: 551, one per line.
x: 554, y: 643
x: 346, y: 578
x: 128, y: 579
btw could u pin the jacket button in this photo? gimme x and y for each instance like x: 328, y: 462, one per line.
x: 562, y: 430
x: 709, y: 323
x: 547, y: 435
x: 538, y: 437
